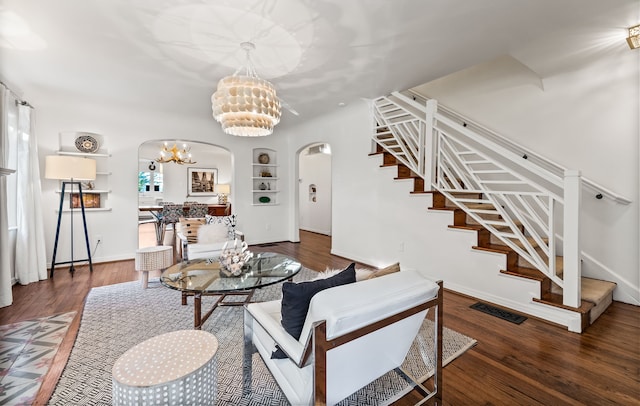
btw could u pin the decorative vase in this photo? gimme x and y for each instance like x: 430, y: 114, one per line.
x: 232, y: 259
x: 262, y: 186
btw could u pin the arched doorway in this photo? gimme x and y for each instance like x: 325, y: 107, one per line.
x: 314, y: 188
x: 170, y: 181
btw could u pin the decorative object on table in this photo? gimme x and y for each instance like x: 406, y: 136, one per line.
x: 70, y: 170
x: 201, y: 181
x: 263, y: 158
x: 262, y: 186
x: 264, y: 199
x: 174, y: 154
x: 223, y: 190
x: 232, y: 259
x: 87, y: 143
x: 265, y: 173
x: 244, y: 104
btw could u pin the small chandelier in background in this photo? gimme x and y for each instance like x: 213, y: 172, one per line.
x: 634, y: 37
x: 244, y: 104
x: 175, y: 154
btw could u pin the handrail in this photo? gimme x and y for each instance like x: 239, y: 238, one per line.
x: 516, y: 148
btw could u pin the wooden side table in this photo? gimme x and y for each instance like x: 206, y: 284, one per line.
x: 176, y: 368
x: 151, y: 259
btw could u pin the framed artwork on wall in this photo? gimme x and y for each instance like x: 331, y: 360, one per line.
x: 201, y: 181
x: 91, y: 200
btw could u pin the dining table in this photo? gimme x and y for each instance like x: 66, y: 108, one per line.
x: 156, y: 212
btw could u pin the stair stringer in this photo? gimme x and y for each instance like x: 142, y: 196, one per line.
x: 508, y: 291
x: 466, y: 270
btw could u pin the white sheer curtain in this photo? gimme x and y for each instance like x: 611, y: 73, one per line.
x: 6, y: 297
x: 30, y: 262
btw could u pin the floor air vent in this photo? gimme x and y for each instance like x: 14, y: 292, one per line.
x: 497, y: 312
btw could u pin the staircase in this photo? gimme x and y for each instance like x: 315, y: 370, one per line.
x: 511, y: 204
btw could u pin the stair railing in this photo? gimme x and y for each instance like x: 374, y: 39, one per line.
x: 527, y: 207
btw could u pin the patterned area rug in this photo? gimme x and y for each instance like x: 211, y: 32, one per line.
x: 27, y: 350
x: 120, y: 316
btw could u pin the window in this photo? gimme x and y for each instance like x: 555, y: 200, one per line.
x: 150, y: 182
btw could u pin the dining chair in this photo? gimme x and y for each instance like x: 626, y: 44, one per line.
x: 197, y: 210
x: 170, y: 216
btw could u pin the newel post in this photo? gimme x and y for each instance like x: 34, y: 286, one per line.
x: 429, y: 147
x: 571, y: 247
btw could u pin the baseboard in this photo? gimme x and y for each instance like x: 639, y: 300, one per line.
x: 570, y: 320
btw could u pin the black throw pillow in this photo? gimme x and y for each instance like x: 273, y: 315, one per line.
x: 296, y: 298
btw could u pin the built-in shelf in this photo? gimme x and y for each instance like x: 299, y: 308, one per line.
x: 74, y: 153
x: 68, y: 145
x: 264, y: 162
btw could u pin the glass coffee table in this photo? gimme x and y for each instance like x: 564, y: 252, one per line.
x: 203, y: 277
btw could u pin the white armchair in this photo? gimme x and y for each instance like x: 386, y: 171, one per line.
x: 205, y: 237
x: 352, y: 335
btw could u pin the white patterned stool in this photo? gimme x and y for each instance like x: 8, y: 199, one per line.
x: 177, y: 368
x: 152, y: 259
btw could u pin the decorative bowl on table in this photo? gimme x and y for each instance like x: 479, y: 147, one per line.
x: 233, y: 258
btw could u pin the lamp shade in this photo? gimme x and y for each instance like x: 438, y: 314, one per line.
x: 223, y: 188
x: 69, y: 167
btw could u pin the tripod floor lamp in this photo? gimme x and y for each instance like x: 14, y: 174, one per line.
x: 70, y: 170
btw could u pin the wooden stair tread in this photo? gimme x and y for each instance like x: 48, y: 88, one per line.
x: 444, y: 208
x: 592, y: 290
x: 523, y: 272
x: 501, y: 249
x: 554, y: 299
x: 472, y: 227
x: 531, y: 240
x: 480, y: 206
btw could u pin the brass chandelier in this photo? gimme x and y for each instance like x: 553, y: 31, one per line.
x: 174, y: 154
x: 244, y: 104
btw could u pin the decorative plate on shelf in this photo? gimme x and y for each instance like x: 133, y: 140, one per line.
x: 263, y: 158
x: 264, y: 199
x: 87, y: 143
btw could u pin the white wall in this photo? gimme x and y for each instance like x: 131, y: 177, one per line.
x: 315, y: 215
x: 125, y: 131
x: 585, y: 119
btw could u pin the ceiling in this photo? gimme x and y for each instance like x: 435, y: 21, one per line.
x: 167, y: 55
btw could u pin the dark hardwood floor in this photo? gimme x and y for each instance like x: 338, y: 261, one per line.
x: 534, y: 363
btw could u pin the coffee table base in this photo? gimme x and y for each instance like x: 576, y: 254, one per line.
x: 198, y: 318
